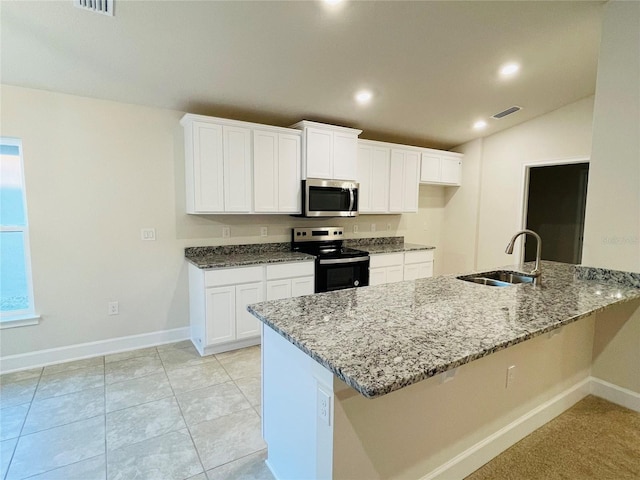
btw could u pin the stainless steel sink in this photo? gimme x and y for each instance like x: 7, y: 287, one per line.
x: 497, y: 278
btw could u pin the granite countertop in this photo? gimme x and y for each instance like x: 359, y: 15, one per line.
x: 385, y: 245
x: 382, y: 338
x: 260, y: 253
x: 243, y: 255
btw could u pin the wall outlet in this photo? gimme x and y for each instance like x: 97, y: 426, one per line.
x: 264, y: 231
x: 355, y: 228
x: 388, y: 226
x: 148, y: 234
x: 373, y: 227
x: 511, y: 376
x: 226, y: 232
x: 324, y: 406
x: 113, y: 308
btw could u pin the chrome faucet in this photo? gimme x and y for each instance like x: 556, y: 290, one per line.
x: 536, y: 272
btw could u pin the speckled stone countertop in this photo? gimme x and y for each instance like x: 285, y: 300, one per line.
x: 384, y: 245
x: 382, y: 338
x: 243, y: 255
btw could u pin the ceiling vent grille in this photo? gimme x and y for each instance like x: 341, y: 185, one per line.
x: 506, y: 112
x: 104, y: 7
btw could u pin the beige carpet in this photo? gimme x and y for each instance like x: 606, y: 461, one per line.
x: 594, y: 439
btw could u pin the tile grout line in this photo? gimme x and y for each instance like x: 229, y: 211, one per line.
x: 193, y: 443
x: 58, y: 468
x: 15, y: 448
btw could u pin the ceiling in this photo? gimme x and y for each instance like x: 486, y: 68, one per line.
x: 432, y: 66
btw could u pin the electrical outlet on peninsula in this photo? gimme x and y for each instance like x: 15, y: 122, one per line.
x: 324, y: 406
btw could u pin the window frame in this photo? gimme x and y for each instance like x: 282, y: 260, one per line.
x: 27, y: 316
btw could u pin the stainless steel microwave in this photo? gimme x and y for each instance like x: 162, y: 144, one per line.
x: 329, y: 198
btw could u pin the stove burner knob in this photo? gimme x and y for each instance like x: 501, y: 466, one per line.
x: 356, y: 283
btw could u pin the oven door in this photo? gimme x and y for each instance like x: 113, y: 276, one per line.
x: 329, y: 198
x: 339, y: 273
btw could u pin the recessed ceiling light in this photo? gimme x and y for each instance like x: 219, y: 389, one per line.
x: 509, y: 69
x: 364, y: 96
x: 479, y: 125
x: 332, y: 2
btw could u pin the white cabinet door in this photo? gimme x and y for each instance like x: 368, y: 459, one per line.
x: 289, y: 184
x: 377, y: 276
x: 396, y: 181
x: 380, y: 180
x: 246, y: 324
x: 265, y: 171
x: 430, y: 168
x: 319, y: 148
x: 208, y: 168
x: 395, y: 274
x: 451, y: 171
x: 441, y: 169
x: 221, y: 314
x: 302, y: 286
x: 237, y: 169
x: 411, y: 182
x: 365, y: 164
x: 412, y: 272
x: 345, y: 154
x: 425, y: 270
x: 277, y: 289
x: 418, y: 270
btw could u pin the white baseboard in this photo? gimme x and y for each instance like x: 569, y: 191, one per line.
x: 41, y: 358
x: 474, y: 457
x: 615, y: 394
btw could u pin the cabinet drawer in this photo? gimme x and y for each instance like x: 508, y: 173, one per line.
x: 232, y: 276
x: 386, y: 260
x: 419, y: 256
x: 289, y: 270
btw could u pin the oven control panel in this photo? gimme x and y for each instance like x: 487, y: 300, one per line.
x: 317, y: 234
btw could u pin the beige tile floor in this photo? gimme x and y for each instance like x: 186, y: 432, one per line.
x: 156, y: 413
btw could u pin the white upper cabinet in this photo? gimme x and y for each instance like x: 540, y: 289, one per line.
x: 237, y: 169
x: 328, y: 151
x: 319, y: 153
x: 204, y: 167
x: 373, y: 176
x: 441, y: 168
x: 240, y: 167
x: 276, y: 172
x: 390, y: 174
x: 403, y: 185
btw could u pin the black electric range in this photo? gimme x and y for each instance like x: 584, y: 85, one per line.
x: 337, y: 266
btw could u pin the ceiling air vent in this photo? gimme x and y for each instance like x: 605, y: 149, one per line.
x: 506, y: 112
x: 104, y: 7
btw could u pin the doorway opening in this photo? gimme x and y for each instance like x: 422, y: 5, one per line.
x: 555, y: 207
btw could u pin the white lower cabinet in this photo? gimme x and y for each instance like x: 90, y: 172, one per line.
x: 386, y: 268
x: 218, y: 301
x: 418, y: 264
x: 289, y: 280
x: 396, y: 267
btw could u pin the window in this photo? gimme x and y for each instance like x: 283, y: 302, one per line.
x: 16, y: 292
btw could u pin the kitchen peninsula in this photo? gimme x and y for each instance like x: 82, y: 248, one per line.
x: 408, y: 380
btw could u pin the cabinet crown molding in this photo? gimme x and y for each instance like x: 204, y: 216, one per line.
x: 307, y: 123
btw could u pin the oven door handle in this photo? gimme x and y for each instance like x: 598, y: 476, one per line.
x: 335, y: 261
x: 352, y: 198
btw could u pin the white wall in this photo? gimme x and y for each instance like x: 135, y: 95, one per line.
x: 612, y: 223
x: 96, y: 173
x: 483, y: 214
